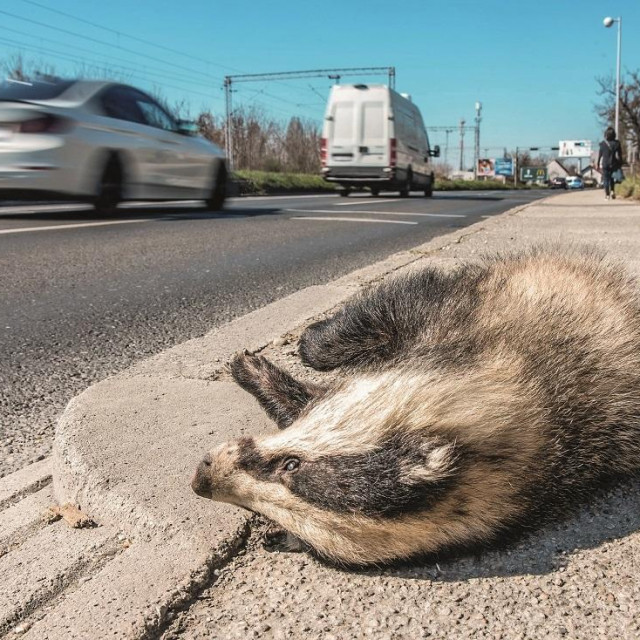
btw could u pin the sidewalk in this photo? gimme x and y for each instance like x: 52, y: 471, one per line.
x: 125, y: 450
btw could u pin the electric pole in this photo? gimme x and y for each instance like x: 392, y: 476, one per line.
x: 462, y: 144
x: 477, y: 149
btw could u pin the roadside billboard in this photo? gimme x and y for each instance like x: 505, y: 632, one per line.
x: 533, y: 174
x: 486, y: 167
x: 574, y: 149
x: 504, y: 167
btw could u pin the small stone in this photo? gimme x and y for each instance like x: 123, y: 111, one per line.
x: 22, y: 628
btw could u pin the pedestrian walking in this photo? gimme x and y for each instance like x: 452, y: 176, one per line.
x: 609, y: 161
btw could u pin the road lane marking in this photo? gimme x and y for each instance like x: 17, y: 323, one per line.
x: 238, y: 199
x: 57, y: 227
x: 366, y: 201
x: 386, y: 213
x: 43, y: 208
x: 336, y: 219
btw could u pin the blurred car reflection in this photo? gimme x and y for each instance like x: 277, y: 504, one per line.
x: 558, y: 183
x: 574, y: 182
x: 103, y: 143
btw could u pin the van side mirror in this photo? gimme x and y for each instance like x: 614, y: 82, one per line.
x: 435, y: 152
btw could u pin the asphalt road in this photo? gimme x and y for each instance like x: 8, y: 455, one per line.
x: 83, y: 297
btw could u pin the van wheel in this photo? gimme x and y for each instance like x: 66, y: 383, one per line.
x: 406, y: 187
x: 428, y: 191
x: 216, y: 199
x: 345, y: 192
x: 110, y: 188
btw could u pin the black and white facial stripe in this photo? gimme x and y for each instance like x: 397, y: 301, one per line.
x: 397, y: 477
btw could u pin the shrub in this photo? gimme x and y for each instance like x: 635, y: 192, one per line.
x: 266, y: 182
x: 629, y: 188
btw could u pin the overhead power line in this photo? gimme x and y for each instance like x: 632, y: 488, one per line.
x: 134, y: 74
x: 109, y: 44
x: 110, y: 61
x: 128, y: 35
x: 191, y: 72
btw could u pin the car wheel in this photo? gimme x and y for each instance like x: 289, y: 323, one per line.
x: 344, y: 192
x: 375, y: 192
x: 110, y: 188
x: 215, y: 201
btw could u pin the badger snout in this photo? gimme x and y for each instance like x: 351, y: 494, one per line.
x: 211, y: 479
x: 201, y: 481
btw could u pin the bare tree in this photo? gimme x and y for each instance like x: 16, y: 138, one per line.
x: 629, y: 106
x: 261, y: 143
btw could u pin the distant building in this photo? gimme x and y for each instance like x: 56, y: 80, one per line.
x: 555, y: 169
x: 593, y: 173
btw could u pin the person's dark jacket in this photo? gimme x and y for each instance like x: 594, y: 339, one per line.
x: 610, y: 154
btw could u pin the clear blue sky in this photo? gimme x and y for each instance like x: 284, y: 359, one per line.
x: 531, y: 64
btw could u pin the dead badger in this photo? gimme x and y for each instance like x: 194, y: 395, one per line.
x: 473, y: 406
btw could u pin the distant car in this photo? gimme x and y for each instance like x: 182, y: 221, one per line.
x: 557, y: 183
x: 101, y: 142
x: 574, y: 182
x: 590, y: 182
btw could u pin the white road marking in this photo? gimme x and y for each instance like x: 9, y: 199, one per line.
x: 366, y: 201
x: 44, y: 208
x: 386, y: 213
x: 239, y: 199
x: 58, y: 227
x: 334, y: 219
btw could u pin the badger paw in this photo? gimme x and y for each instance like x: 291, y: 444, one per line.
x: 279, y: 394
x: 277, y: 539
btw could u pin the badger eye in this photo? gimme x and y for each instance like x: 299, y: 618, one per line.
x: 291, y: 464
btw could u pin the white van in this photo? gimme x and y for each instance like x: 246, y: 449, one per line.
x: 374, y: 137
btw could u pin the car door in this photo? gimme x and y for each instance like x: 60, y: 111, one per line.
x: 176, y: 166
x: 131, y: 136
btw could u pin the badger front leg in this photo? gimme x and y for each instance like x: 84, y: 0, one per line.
x: 379, y: 324
x: 279, y: 394
x: 363, y: 333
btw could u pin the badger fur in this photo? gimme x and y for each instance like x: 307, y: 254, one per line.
x: 471, y: 406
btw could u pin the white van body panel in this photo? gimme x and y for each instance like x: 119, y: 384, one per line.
x: 361, y: 121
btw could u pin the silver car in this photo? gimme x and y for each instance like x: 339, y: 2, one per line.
x: 101, y: 142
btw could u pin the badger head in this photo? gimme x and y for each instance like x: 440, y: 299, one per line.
x: 351, y: 472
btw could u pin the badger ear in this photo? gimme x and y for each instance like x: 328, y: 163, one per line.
x: 436, y: 461
x: 279, y: 394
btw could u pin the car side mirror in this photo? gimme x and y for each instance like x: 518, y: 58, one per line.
x: 435, y: 152
x: 187, y: 127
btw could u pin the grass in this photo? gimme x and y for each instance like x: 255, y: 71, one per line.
x: 265, y: 182
x: 268, y: 182
x: 443, y: 184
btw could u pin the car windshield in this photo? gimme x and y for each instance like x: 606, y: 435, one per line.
x: 37, y: 90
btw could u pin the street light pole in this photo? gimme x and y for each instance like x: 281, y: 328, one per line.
x: 476, y: 152
x: 608, y: 22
